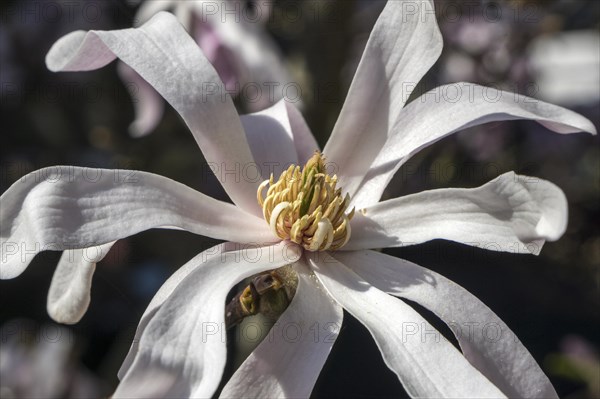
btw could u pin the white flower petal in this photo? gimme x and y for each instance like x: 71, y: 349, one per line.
x: 147, y: 103
x: 186, y: 337
x: 484, y: 338
x: 304, y: 140
x: 167, y: 58
x: 403, y: 45
x: 166, y: 290
x: 511, y: 213
x: 451, y: 108
x: 271, y: 140
x: 553, y: 204
x: 69, y: 294
x: 278, y: 136
x: 288, y: 361
x: 67, y: 207
x: 424, y: 361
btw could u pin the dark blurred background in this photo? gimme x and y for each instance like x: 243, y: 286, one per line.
x: 546, y: 49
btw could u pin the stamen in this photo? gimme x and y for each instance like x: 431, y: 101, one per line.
x: 305, y: 206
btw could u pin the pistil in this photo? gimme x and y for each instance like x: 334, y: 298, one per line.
x: 305, y: 206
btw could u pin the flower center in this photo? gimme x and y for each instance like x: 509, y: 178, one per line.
x: 305, y: 207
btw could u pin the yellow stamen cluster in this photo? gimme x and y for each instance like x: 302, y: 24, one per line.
x: 305, y: 207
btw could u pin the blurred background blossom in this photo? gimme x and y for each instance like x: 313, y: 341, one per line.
x: 547, y: 49
x: 232, y: 35
x: 578, y: 360
x: 40, y: 361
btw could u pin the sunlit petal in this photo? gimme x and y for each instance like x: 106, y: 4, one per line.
x: 186, y: 338
x: 68, y: 207
x: 511, y: 213
x: 427, y: 365
x: 486, y: 341
x: 166, y: 57
x: 448, y: 109
x: 403, y: 45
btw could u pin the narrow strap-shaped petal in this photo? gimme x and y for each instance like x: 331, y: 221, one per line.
x: 511, y: 213
x: 403, y: 45
x: 425, y: 362
x: 271, y: 140
x: 288, y: 361
x: 69, y: 294
x: 167, y: 58
x: 185, y: 340
x: 166, y: 290
x: 486, y: 341
x: 304, y: 140
x: 448, y: 109
x: 67, y: 207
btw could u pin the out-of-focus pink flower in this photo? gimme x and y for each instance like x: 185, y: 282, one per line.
x: 233, y: 38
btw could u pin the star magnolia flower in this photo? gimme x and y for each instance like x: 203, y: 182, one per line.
x: 180, y: 348
x: 235, y: 42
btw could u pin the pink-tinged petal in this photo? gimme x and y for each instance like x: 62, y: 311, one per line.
x: 403, y: 45
x: 484, y: 338
x: 185, y: 340
x: 169, y: 60
x: 425, y: 362
x: 448, y: 109
x: 304, y: 140
x: 69, y: 294
x: 67, y: 207
x: 288, y: 361
x: 166, y: 290
x: 147, y: 103
x: 271, y: 140
x: 222, y: 58
x: 511, y: 213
